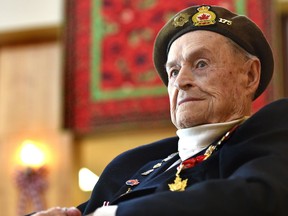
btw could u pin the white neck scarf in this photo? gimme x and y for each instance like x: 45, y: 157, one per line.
x: 195, y: 139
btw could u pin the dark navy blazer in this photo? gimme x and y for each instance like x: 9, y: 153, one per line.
x: 247, y: 176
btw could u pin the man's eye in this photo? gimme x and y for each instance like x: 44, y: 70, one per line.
x: 174, y: 73
x: 201, y: 64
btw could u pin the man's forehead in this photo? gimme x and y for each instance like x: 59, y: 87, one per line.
x: 197, y: 42
x: 186, y: 52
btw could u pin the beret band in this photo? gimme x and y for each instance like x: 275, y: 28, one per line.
x: 238, y: 28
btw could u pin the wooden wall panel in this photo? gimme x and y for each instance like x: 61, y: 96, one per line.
x: 30, y: 108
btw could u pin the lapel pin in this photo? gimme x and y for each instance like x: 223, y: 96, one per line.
x: 132, y: 182
x: 147, y: 172
x: 158, y: 164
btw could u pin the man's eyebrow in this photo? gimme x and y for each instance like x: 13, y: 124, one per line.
x: 199, y: 51
x: 170, y: 64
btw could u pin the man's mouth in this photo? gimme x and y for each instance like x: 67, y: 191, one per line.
x: 188, y: 100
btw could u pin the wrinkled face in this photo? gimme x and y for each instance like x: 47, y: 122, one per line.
x: 207, y: 80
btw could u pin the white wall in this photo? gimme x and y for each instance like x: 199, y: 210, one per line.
x: 27, y: 14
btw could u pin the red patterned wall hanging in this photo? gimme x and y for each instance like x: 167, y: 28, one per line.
x: 110, y: 80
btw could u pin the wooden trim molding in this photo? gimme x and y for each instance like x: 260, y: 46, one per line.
x: 30, y: 35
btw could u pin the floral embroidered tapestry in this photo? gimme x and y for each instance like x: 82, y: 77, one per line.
x: 110, y: 79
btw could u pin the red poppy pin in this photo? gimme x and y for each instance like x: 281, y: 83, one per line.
x: 132, y: 182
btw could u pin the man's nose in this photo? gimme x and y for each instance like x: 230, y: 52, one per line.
x: 184, y: 79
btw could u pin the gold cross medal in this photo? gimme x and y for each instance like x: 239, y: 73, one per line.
x: 179, y: 184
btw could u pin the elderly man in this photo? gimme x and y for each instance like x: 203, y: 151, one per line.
x: 223, y: 161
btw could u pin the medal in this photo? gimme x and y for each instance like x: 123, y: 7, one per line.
x: 179, y: 184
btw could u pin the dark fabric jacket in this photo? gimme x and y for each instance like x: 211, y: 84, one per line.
x: 247, y: 176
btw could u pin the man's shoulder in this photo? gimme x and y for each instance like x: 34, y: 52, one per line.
x: 280, y: 105
x: 271, y: 118
x: 273, y: 113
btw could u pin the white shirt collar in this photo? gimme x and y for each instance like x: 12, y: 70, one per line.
x: 195, y: 139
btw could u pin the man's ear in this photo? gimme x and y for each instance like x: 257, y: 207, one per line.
x: 253, y: 72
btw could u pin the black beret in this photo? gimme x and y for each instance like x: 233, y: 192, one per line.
x: 238, y: 28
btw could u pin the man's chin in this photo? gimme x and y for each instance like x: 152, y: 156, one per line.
x: 187, y: 124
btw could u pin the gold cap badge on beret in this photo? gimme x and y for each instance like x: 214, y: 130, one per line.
x: 238, y: 28
x: 181, y: 19
x: 204, y: 17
